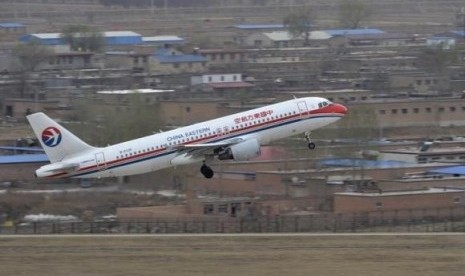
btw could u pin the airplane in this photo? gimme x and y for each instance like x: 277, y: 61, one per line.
x: 233, y: 137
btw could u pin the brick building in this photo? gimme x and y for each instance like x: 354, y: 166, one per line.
x: 222, y: 57
x: 353, y: 202
x: 411, y: 112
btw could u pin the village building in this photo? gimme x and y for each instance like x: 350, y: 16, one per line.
x: 241, y: 31
x: 225, y: 85
x: 168, y: 61
x: 111, y: 38
x: 425, y: 154
x: 222, y: 57
x: 432, y: 111
x: 11, y: 31
x: 438, y: 200
x: 164, y: 41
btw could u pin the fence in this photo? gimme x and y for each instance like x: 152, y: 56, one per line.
x: 425, y: 220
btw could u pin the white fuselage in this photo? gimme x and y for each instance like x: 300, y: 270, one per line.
x: 157, y: 151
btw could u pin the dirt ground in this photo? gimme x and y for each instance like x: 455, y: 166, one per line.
x: 422, y: 255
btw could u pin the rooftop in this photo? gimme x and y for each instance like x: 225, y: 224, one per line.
x: 120, y: 33
x: 23, y: 158
x: 286, y: 36
x: 258, y: 26
x: 353, y: 162
x: 459, y: 33
x: 11, y: 25
x: 454, y: 170
x: 350, y: 32
x: 163, y: 39
x: 219, y: 51
x: 170, y: 56
x: 280, y: 36
x: 133, y: 91
x: 105, y: 34
x: 59, y: 35
x: 431, y: 151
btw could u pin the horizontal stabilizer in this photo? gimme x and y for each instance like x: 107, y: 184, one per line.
x: 56, y: 168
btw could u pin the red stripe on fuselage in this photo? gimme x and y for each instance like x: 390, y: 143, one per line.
x: 331, y: 109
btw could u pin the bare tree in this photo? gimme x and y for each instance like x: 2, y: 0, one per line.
x: 352, y: 13
x: 30, y: 55
x: 300, y: 23
x: 436, y: 59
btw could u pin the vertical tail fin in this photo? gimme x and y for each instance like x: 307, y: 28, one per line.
x: 57, y: 141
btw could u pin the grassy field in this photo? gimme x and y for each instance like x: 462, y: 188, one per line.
x: 238, y: 255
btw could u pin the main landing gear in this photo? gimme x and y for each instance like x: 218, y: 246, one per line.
x: 311, y: 145
x: 206, y: 171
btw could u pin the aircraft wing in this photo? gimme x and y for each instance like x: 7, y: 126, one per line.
x: 207, y: 146
x: 197, y: 152
x: 203, y: 146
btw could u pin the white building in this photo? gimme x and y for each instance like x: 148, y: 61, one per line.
x: 215, y: 78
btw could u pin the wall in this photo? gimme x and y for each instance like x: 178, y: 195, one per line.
x: 18, y: 172
x: 421, y: 112
x: 419, y: 83
x: 178, y: 67
x: 344, y: 203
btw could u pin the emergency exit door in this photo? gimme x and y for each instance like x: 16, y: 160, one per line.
x: 100, y: 161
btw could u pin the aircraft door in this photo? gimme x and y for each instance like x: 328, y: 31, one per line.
x: 302, y: 107
x: 100, y: 161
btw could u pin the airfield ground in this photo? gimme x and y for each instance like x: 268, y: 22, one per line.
x: 322, y: 255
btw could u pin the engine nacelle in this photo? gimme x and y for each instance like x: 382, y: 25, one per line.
x: 242, y: 151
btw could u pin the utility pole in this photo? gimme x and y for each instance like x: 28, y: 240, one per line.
x: 460, y: 19
x: 165, y: 7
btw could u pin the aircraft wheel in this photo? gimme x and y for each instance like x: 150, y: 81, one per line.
x: 311, y: 146
x: 206, y: 171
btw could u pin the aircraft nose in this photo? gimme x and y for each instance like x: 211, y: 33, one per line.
x: 339, y: 108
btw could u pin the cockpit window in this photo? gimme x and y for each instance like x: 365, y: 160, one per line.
x: 323, y: 104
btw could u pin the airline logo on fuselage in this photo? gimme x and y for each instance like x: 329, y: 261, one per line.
x: 189, y: 134
x: 51, y: 136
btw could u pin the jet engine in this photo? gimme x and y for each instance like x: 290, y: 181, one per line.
x: 241, y: 151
